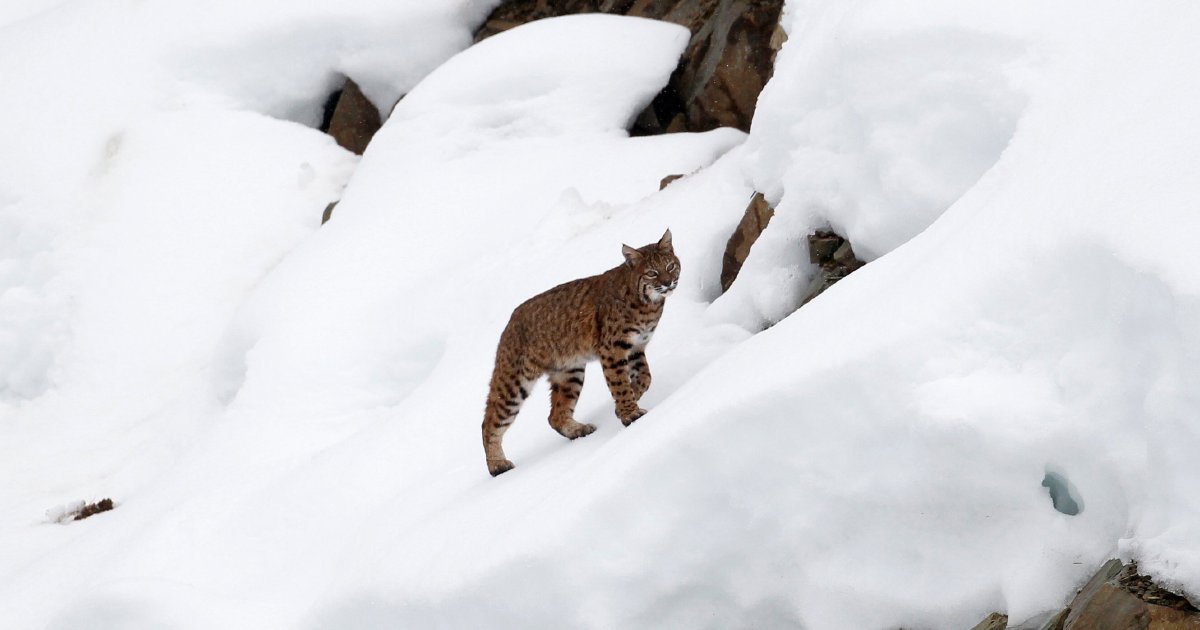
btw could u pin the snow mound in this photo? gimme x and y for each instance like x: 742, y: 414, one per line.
x: 534, y: 153
x: 877, y: 120
x: 290, y: 416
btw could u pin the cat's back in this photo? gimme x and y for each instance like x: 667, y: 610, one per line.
x: 561, y: 319
x: 564, y: 298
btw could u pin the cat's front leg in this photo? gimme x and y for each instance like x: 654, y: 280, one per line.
x: 639, y: 372
x: 615, y: 362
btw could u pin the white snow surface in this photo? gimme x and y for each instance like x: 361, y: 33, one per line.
x: 287, y: 416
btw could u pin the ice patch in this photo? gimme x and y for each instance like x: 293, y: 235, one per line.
x: 1063, y: 495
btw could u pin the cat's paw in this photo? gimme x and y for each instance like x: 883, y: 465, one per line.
x: 629, y: 417
x: 580, y: 430
x: 497, y: 467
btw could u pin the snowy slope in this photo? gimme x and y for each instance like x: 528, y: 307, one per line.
x: 289, y: 417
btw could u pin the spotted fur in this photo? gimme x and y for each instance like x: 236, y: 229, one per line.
x: 610, y: 317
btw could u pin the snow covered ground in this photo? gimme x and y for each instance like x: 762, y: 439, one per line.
x: 287, y: 415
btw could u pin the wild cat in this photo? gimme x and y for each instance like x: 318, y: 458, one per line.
x: 610, y: 317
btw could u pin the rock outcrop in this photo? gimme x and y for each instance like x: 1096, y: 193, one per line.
x: 352, y: 120
x: 834, y: 258
x: 832, y: 254
x: 727, y: 62
x: 1116, y: 598
x: 994, y: 621
x: 666, y: 181
x: 754, y: 220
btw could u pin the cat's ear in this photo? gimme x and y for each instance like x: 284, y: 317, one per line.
x: 632, y: 256
x: 664, y: 243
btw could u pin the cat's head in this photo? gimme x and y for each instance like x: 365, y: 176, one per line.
x: 654, y: 268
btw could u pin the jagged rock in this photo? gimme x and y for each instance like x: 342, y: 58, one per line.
x: 778, y: 38
x: 844, y: 256
x: 354, y: 119
x: 758, y: 214
x: 724, y: 67
x: 325, y: 216
x: 1056, y: 621
x: 78, y: 510
x: 727, y: 63
x: 678, y: 124
x: 1118, y: 598
x: 92, y: 509
x: 994, y: 621
x: 821, y: 247
x: 835, y: 260
x: 666, y: 181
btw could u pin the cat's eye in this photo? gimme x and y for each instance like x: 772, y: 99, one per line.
x: 651, y: 274
x: 672, y: 267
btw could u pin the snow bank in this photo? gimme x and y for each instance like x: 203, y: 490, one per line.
x: 489, y: 183
x: 876, y: 459
x: 537, y: 162
x: 878, y: 119
x: 119, y: 75
x: 304, y: 452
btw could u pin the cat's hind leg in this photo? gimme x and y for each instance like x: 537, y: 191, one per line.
x: 508, y: 392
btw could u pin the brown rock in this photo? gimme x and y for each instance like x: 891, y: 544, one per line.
x: 1107, y: 603
x: 1057, y: 621
x: 994, y: 621
x: 844, y: 256
x: 758, y: 214
x: 678, y: 124
x: 727, y: 63
x: 1108, y: 608
x: 355, y: 119
x: 834, y: 258
x: 666, y: 181
x: 92, y: 509
x: 778, y: 38
x: 821, y: 247
x: 328, y: 214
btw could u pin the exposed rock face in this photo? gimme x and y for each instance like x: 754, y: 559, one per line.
x: 724, y: 68
x: 994, y: 621
x: 1118, y: 598
x: 753, y: 222
x: 79, y: 510
x: 834, y: 258
x: 666, y: 181
x: 328, y: 214
x: 354, y: 120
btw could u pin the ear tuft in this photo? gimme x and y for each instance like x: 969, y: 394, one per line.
x: 632, y: 256
x: 664, y: 243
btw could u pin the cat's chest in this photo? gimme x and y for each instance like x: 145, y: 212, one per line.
x: 639, y: 330
x: 640, y: 336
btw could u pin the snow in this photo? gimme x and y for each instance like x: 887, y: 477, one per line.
x: 287, y: 415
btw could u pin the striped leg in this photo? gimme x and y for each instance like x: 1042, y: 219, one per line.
x: 504, y: 401
x: 616, y: 373
x: 565, y: 386
x: 639, y: 372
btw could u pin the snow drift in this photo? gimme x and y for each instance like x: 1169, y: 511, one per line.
x: 289, y: 417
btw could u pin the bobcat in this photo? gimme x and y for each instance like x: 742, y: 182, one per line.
x: 610, y: 316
